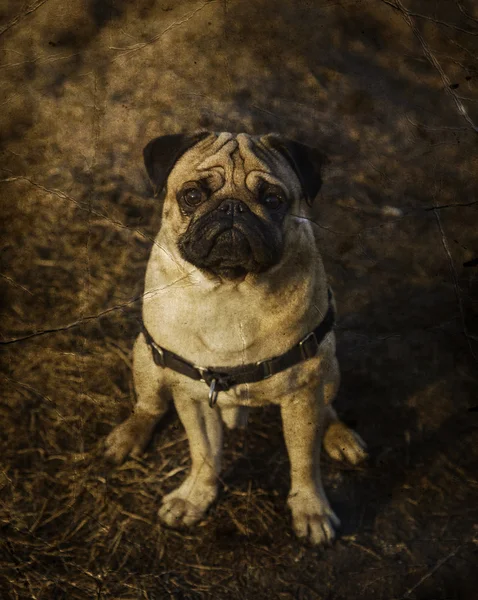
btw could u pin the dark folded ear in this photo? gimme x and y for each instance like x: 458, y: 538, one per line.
x: 163, y: 152
x: 306, y: 161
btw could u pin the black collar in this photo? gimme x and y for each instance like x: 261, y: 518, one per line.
x: 221, y: 379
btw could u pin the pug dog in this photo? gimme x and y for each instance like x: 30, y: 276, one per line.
x: 237, y: 314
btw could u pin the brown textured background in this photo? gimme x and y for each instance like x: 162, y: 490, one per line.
x: 84, y: 85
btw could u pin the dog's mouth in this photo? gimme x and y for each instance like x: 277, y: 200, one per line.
x: 232, y: 240
x: 230, y: 247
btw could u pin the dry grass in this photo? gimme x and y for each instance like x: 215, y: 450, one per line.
x: 78, y: 223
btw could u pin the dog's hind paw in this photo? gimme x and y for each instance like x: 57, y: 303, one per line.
x: 344, y: 444
x: 130, y: 438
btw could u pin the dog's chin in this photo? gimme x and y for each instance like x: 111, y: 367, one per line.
x: 231, y: 254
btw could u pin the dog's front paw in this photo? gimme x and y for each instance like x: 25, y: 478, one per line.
x: 188, y: 504
x: 312, y: 517
x: 342, y: 443
x: 130, y: 438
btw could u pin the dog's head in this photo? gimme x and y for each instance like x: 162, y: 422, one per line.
x: 228, y: 196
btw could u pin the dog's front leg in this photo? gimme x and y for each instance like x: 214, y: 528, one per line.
x: 189, y: 502
x: 302, y: 418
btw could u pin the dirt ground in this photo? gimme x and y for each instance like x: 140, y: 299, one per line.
x: 389, y: 91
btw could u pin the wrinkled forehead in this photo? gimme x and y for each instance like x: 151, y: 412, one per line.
x: 237, y: 160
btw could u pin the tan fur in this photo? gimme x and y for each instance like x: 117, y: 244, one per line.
x: 215, y: 322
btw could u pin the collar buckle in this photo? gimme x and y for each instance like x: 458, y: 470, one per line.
x: 205, y: 374
x: 309, y: 346
x: 213, y: 393
x: 266, y: 368
x: 158, y: 354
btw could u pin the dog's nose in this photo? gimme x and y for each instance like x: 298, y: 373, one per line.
x: 231, y: 206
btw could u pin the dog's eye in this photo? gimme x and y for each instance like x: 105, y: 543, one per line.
x: 193, y: 196
x: 272, y: 200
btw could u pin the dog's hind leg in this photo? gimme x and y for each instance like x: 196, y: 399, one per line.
x: 132, y: 436
x: 235, y: 416
x: 339, y: 441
